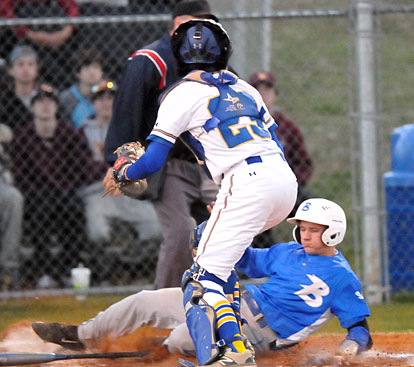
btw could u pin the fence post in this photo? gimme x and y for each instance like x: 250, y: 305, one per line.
x: 267, y: 36
x: 367, y: 112
x: 238, y: 62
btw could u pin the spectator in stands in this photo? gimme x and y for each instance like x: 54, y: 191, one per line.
x: 75, y: 101
x: 100, y: 209
x: 95, y: 127
x: 53, y: 42
x: 15, y: 96
x: 122, y: 36
x: 288, y: 133
x: 11, y: 214
x: 51, y: 162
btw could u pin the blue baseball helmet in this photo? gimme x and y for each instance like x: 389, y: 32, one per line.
x: 201, y: 44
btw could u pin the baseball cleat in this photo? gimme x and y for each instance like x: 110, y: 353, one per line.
x: 227, y: 359
x: 230, y: 358
x: 248, y: 345
x: 64, y: 335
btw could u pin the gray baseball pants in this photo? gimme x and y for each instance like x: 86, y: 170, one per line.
x: 162, y: 308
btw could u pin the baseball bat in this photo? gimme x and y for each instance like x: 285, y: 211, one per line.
x: 21, y: 359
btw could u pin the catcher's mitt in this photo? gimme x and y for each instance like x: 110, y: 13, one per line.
x: 128, y: 154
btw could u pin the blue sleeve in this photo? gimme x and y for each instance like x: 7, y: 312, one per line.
x: 349, y: 304
x: 256, y: 262
x: 151, y: 161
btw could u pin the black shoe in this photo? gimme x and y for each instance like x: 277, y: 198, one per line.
x: 64, y: 335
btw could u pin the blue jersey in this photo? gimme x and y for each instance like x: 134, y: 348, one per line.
x: 303, y: 291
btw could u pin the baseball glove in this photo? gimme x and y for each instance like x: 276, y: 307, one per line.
x: 128, y: 154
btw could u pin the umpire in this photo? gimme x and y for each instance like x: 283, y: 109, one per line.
x: 181, y: 191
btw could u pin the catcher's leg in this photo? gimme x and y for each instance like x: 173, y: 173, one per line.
x: 232, y: 292
x: 201, y: 322
x: 212, y: 322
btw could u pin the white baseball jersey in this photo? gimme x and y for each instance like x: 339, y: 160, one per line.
x: 189, y: 105
x: 223, y: 124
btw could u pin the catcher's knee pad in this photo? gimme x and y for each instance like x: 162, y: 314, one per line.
x: 201, y: 323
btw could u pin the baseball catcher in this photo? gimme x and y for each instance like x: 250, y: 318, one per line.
x: 128, y: 154
x: 228, y: 127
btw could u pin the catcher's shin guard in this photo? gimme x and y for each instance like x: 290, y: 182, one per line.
x: 201, y: 323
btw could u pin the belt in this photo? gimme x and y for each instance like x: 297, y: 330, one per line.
x: 248, y: 160
x: 254, y: 159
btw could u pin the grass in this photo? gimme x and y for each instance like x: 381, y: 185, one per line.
x: 398, y: 316
x: 395, y: 317
x: 60, y: 309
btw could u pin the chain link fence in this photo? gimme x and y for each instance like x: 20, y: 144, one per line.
x: 397, y: 142
x: 308, y: 45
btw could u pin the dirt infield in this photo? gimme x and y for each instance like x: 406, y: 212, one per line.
x: 389, y: 349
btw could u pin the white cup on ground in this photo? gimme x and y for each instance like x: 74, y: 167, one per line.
x: 81, y: 278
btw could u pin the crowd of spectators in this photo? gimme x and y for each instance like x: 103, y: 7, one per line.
x: 51, y: 171
x: 51, y: 161
x: 56, y: 98
x: 54, y: 42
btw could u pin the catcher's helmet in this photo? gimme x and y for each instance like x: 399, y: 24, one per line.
x: 325, y: 212
x: 201, y: 44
